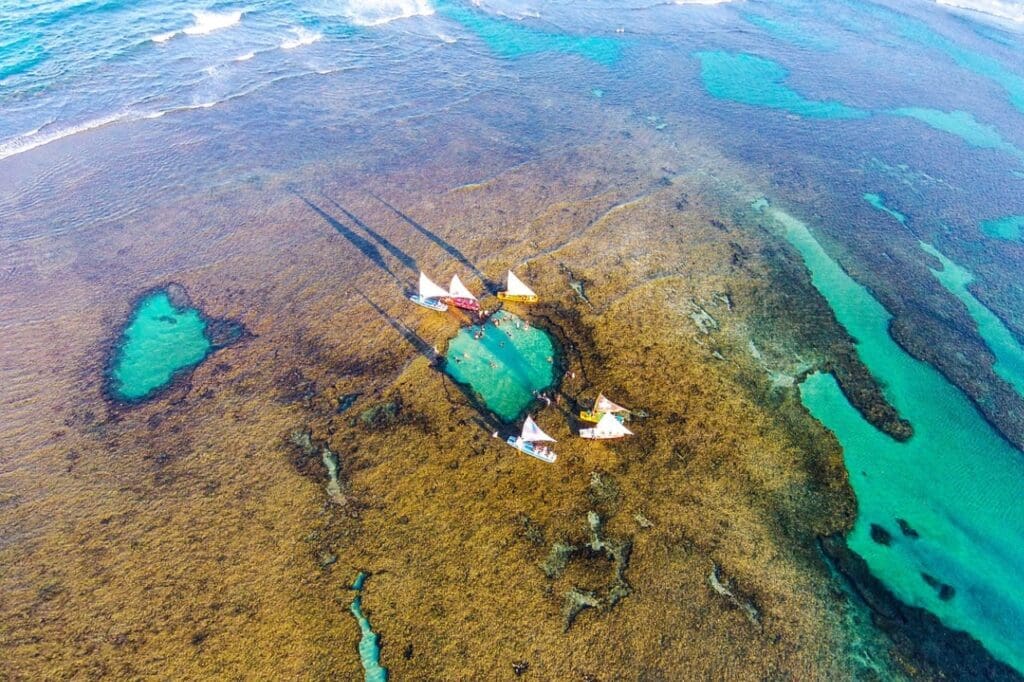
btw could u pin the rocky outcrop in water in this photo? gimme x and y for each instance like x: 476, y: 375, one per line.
x: 923, y: 645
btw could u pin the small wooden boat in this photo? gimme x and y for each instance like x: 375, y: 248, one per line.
x: 516, y: 291
x: 430, y: 295
x: 608, y: 427
x: 603, y: 406
x: 461, y: 297
x: 527, y: 442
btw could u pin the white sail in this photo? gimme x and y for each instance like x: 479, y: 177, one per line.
x: 430, y: 290
x: 610, y: 426
x: 602, y: 404
x: 459, y: 290
x: 532, y: 432
x: 516, y: 287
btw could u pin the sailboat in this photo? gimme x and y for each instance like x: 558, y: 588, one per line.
x: 461, y: 297
x: 607, y: 427
x: 430, y: 295
x: 527, y: 442
x: 603, y: 406
x: 515, y: 290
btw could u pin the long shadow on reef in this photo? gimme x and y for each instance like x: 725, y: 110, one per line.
x: 490, y: 285
x: 401, y: 256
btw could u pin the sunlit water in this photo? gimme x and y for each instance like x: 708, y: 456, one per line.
x: 916, y: 110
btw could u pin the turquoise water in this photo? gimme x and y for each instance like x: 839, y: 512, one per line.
x: 963, y: 125
x: 761, y: 82
x: 159, y: 341
x: 878, y: 201
x: 369, y: 641
x: 956, y: 481
x: 1010, y: 228
x: 790, y: 32
x: 505, y: 368
x: 999, y: 339
x: 510, y: 39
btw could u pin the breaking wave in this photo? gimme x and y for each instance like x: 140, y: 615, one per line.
x: 300, y: 36
x: 205, y: 22
x: 379, y: 12
x: 1003, y: 9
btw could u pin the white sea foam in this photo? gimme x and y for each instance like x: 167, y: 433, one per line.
x: 379, y: 12
x: 244, y: 57
x: 39, y: 137
x: 1003, y: 9
x: 300, y: 36
x: 205, y: 22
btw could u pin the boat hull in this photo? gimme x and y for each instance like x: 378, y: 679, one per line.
x: 465, y: 303
x: 594, y: 434
x: 517, y: 298
x: 528, y: 448
x: 429, y: 303
x: 590, y: 416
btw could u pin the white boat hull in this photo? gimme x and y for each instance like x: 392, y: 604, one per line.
x: 430, y: 303
x: 531, y: 449
x: 594, y: 434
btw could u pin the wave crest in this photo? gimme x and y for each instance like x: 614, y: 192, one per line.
x: 380, y: 12
x: 205, y: 22
x: 1003, y: 9
x: 300, y: 36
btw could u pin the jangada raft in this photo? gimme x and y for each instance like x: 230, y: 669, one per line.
x: 528, y: 441
x: 516, y: 291
x: 603, y: 406
x: 430, y: 295
x: 607, y: 427
x: 461, y: 297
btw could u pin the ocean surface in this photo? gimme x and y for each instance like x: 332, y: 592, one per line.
x: 882, y: 142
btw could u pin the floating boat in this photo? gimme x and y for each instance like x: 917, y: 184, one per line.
x: 527, y: 442
x: 516, y: 291
x: 603, y: 406
x: 461, y: 297
x: 607, y: 427
x: 430, y: 295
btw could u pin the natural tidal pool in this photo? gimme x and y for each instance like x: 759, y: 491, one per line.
x: 505, y: 363
x: 948, y: 497
x: 369, y: 644
x: 160, y: 340
x: 1010, y: 228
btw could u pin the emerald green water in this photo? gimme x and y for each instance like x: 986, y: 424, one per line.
x: 956, y: 481
x: 510, y: 39
x: 878, y: 201
x: 1010, y: 228
x: 504, y: 368
x: 159, y: 341
x: 761, y: 82
x: 999, y: 339
x: 963, y: 125
x: 369, y: 644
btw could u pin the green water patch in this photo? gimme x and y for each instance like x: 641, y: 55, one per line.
x: 369, y: 641
x: 164, y: 337
x: 878, y: 201
x: 963, y: 125
x: 1010, y: 228
x: 999, y: 339
x: 749, y: 79
x: 511, y: 40
x: 505, y: 365
x: 956, y: 482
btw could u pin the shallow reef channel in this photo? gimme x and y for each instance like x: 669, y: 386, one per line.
x: 506, y: 363
x: 369, y: 642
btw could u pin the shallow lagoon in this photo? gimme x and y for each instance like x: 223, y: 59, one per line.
x: 160, y: 340
x: 506, y: 367
x: 956, y: 481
